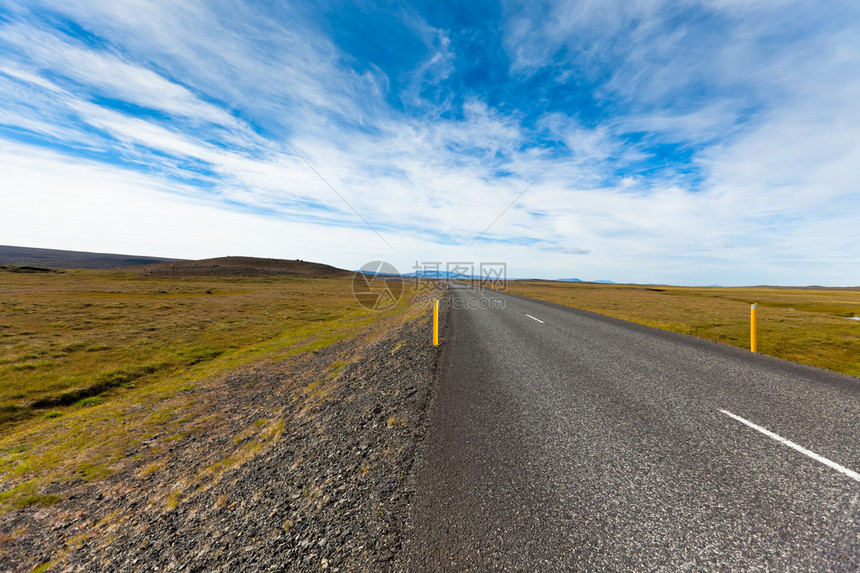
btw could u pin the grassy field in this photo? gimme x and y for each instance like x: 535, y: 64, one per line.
x: 94, y: 362
x: 811, y: 326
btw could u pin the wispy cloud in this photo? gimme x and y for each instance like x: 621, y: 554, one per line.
x: 696, y: 141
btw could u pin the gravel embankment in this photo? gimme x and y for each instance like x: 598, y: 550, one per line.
x: 332, y: 491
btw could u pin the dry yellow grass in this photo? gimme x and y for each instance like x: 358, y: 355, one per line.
x: 811, y: 326
x: 93, y: 363
x: 67, y: 337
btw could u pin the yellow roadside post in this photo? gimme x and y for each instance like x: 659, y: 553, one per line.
x: 436, y: 322
x: 753, y: 346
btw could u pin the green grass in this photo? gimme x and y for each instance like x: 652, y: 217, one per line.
x: 112, y: 359
x: 72, y: 336
x: 810, y: 326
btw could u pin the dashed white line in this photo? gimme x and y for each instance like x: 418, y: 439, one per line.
x: 852, y: 474
x: 533, y: 318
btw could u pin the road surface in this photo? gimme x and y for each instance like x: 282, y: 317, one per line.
x: 564, y: 440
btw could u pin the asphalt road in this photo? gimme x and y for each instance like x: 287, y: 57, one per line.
x: 564, y: 440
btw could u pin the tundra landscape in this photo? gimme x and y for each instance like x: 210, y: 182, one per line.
x: 816, y: 326
x: 139, y: 399
x: 283, y: 286
x: 134, y: 397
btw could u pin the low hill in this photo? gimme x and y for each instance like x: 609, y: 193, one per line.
x: 243, y: 266
x: 59, y: 259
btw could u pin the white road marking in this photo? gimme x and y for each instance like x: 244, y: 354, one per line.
x: 852, y: 474
x: 533, y: 318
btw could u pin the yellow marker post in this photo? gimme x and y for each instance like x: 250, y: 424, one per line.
x: 436, y: 322
x: 753, y: 346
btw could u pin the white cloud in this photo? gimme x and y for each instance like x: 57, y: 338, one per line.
x: 776, y: 149
x: 107, y: 75
x: 83, y: 205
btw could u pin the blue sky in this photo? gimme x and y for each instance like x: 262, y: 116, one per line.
x: 683, y: 142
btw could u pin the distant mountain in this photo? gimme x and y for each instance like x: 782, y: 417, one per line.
x: 243, y: 266
x: 570, y: 280
x: 58, y: 259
